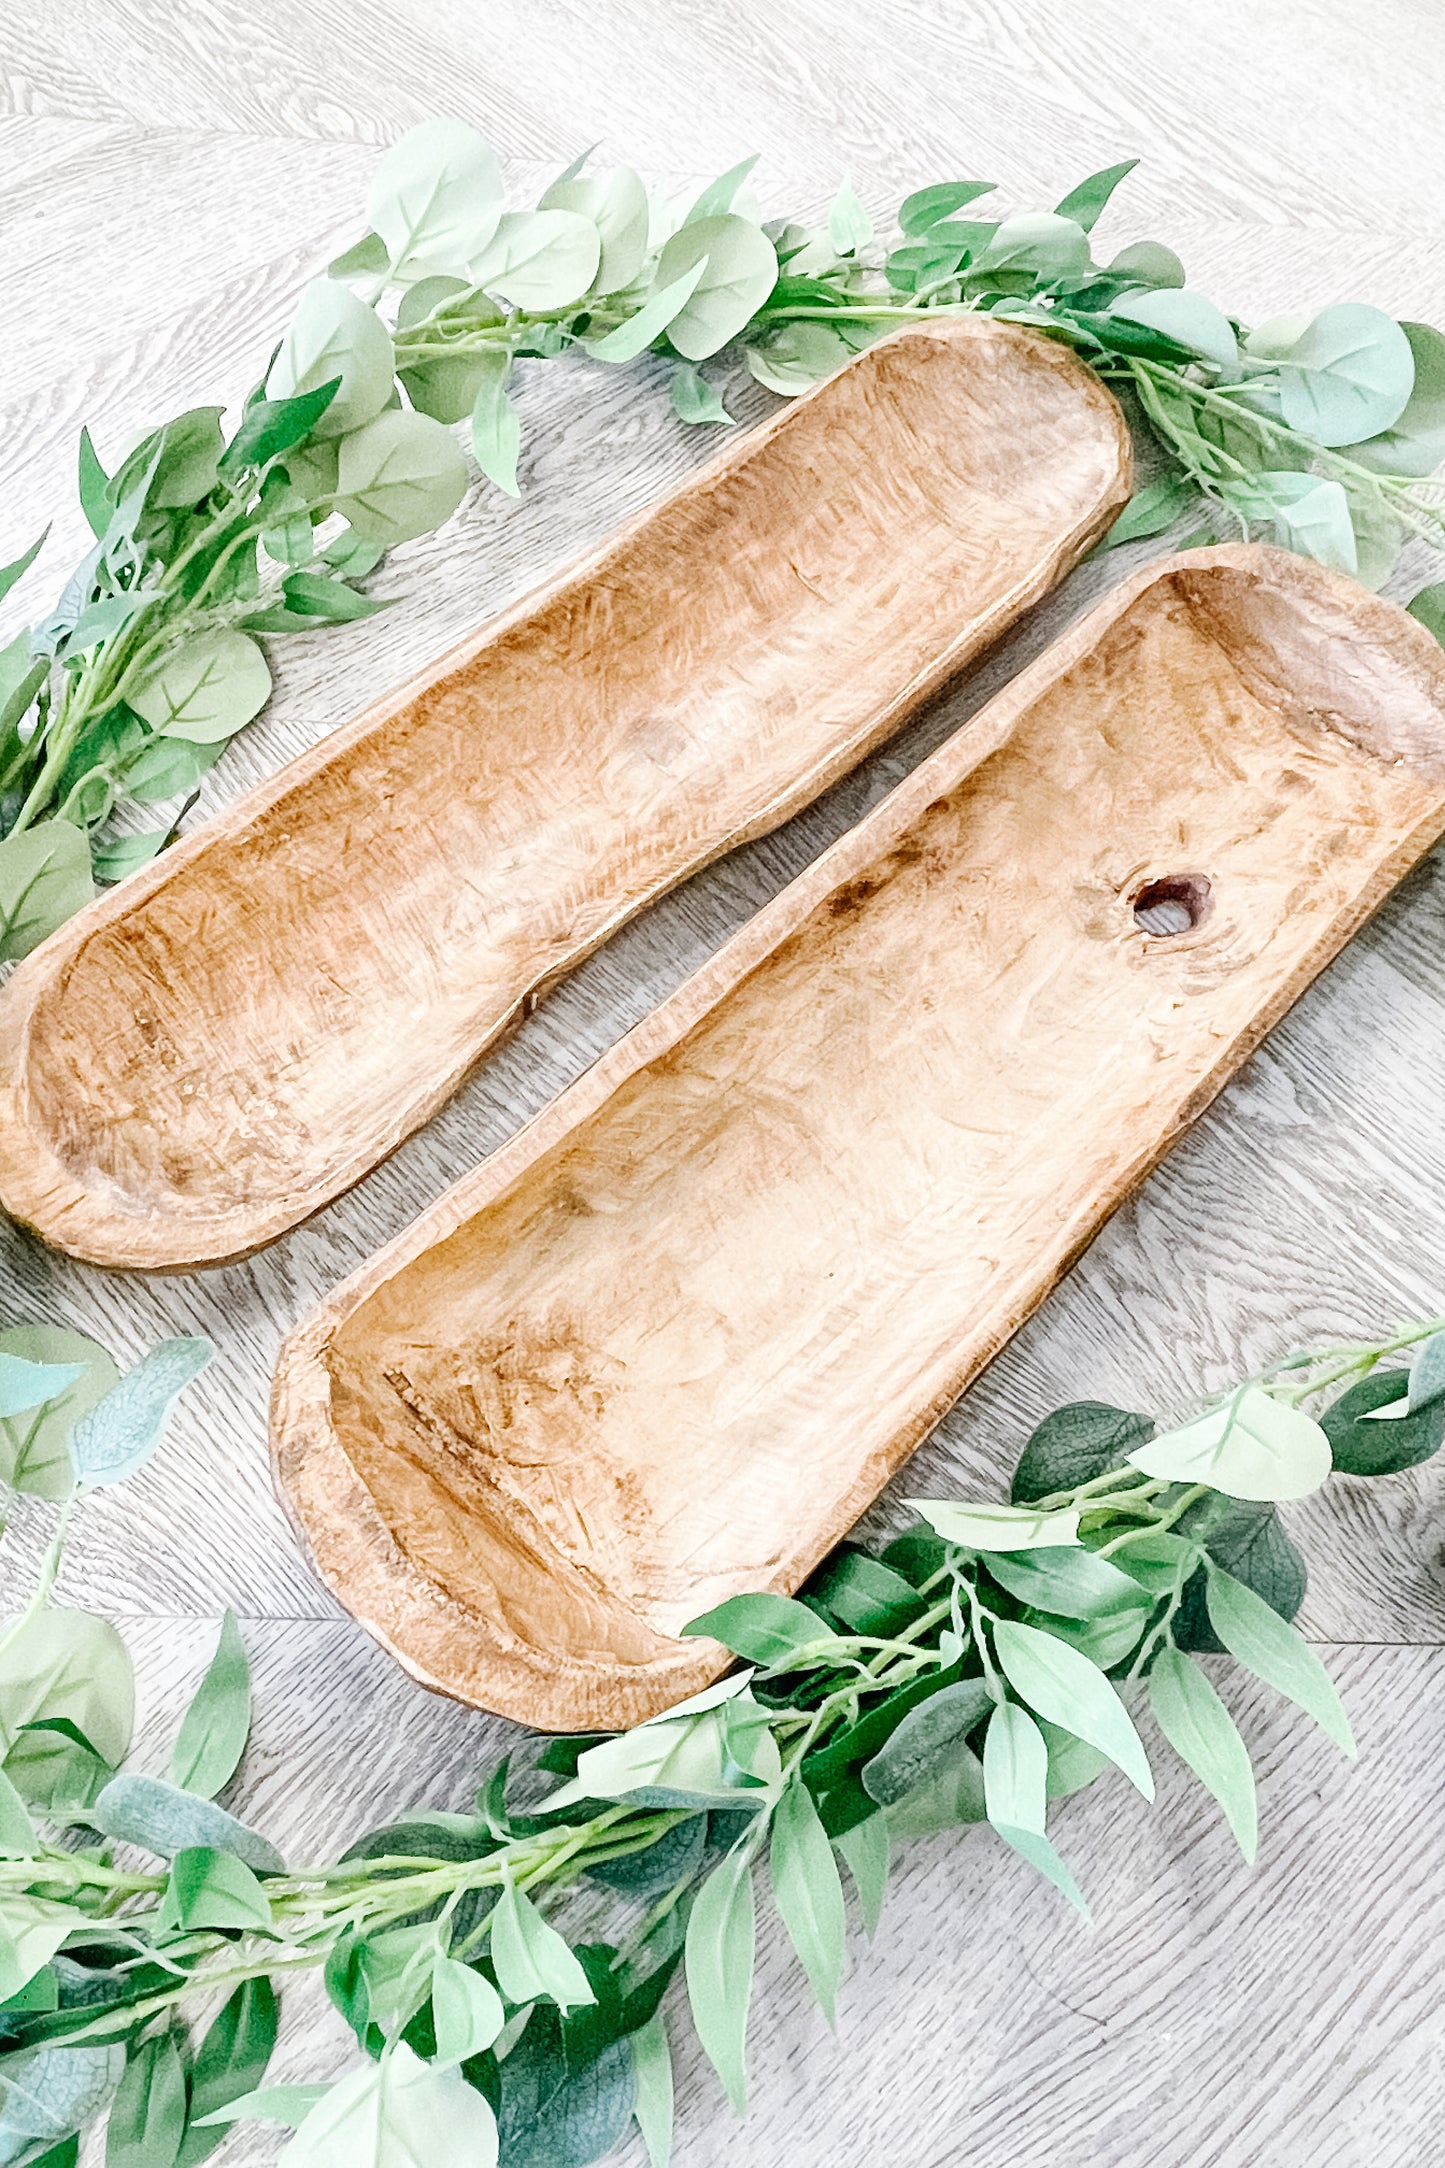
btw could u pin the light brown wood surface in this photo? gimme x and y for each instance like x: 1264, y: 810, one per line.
x: 170, y: 178
x: 671, y: 1342
x: 219, y: 1046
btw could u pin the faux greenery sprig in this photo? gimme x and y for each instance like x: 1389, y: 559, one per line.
x: 988, y: 1661
x: 1323, y: 433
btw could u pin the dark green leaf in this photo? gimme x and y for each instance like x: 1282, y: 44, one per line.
x: 1359, y: 1447
x: 93, y: 484
x: 918, y: 1554
x: 148, y: 2119
x: 764, y: 1628
x: 1428, y: 606
x: 868, y: 1596
x: 1084, y: 203
x: 274, y: 426
x: 19, y: 566
x: 647, y: 1873
x: 926, y: 206
x: 846, y: 1754
x: 327, y: 599
x: 230, y: 2063
x: 49, y: 2093
x: 552, y: 2114
x: 926, y: 1740
x: 1247, y: 1538
x: 1075, y: 1444
x: 213, y: 1730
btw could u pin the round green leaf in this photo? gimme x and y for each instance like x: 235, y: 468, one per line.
x: 34, y: 1447
x: 1415, y: 445
x: 540, y: 259
x: 741, y: 271
x: 1040, y: 243
x: 616, y: 204
x: 1186, y: 318
x: 1251, y: 1446
x: 1150, y: 262
x: 334, y: 334
x: 1274, y: 338
x: 205, y: 688
x: 45, y: 879
x: 63, y: 1665
x: 1349, y: 376
x: 400, y: 476
x: 797, y: 356
x: 435, y: 199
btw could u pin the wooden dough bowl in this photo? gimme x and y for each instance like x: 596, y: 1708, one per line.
x: 669, y: 1341
x: 233, y: 1037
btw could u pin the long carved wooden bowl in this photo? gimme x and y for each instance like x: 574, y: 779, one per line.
x: 669, y: 1341
x: 239, y: 1033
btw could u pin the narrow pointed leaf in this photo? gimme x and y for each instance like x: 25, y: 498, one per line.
x: 213, y: 1730
x: 1059, y: 1683
x: 652, y: 2100
x: 1260, y: 1640
x: 719, y: 1953
x: 1203, y: 1734
x: 808, y: 1893
x: 532, y: 1960
x: 866, y: 1848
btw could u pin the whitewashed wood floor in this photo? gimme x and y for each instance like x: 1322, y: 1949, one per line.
x: 168, y: 177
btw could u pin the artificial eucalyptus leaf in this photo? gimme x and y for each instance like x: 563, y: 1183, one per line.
x: 496, y: 430
x: 1414, y: 444
x: 1072, y: 1583
x: 119, y: 1433
x: 616, y: 205
x: 1203, y: 1733
x: 1349, y: 376
x: 1059, y: 1683
x: 35, y: 1440
x: 719, y: 1956
x: 166, y: 767
x: 653, y: 2089
x: 229, y: 2064
x: 693, y: 399
x: 136, y: 1809
x: 49, y: 2093
x: 720, y: 195
x: 926, y: 1740
x: 1250, y: 1446
x: 1257, y: 1637
x: 1150, y: 510
x: 45, y: 878
x: 539, y: 259
x: 636, y: 333
x: 797, y: 356
x: 205, y: 688
x: 435, y: 199
x: 1186, y: 318
x: 1084, y: 203
x: 926, y: 206
x: 399, y: 477
x: 740, y: 268
x: 1148, y: 262
x: 1309, y: 514
x: 1361, y: 1447
x: 999, y: 1528
x: 68, y: 1665
x: 397, y: 2113
x: 215, y: 1890
x: 530, y: 1958
x: 467, y: 2012
x: 1074, y: 1445
x: 334, y: 339
x: 213, y: 1730
x: 366, y: 258
x: 866, y: 1848
x: 1040, y: 243
x: 1015, y: 1778
x: 274, y: 426
x: 330, y: 601
x: 849, y: 226
x: 808, y: 1893
x: 31, y: 1931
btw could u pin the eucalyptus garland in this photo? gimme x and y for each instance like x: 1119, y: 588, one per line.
x: 1323, y: 433
x: 990, y: 1660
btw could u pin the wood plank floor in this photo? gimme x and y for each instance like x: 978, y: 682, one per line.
x: 168, y: 177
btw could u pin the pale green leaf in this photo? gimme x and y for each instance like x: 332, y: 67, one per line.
x: 1186, y: 318
x: 1250, y: 1446
x: 808, y: 1892
x: 616, y: 205
x: 694, y: 399
x: 652, y: 2096
x: 797, y: 356
x: 740, y: 271
x: 849, y: 226
x: 1040, y: 243
x: 467, y: 2011
x: 435, y: 199
x: 45, y: 878
x: 539, y: 259
x: 1084, y: 203
x: 1015, y: 1777
x: 718, y: 1955
x: 1064, y: 1686
x: 397, y: 2113
x: 636, y: 333
x: 1203, y: 1734
x: 117, y: 1436
x: 31, y: 1931
x: 1349, y: 376
x: 998, y: 1528
x: 1259, y: 1638
x: 215, y: 1890
x: 1150, y: 262
x: 333, y: 334
x: 1073, y: 1763
x: 50, y: 2092
x: 866, y: 1847
x: 719, y: 195
x: 205, y: 688
x: 496, y: 431
x: 1073, y: 1583
x: 213, y: 1730
x: 19, y: 566
x: 1414, y: 445
x: 1150, y: 510
x: 531, y: 1958
x: 137, y: 1809
x: 70, y: 1665
x: 285, y: 2104
x: 400, y: 476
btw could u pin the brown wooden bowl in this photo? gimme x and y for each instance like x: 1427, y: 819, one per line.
x: 669, y: 1342
x: 237, y: 1034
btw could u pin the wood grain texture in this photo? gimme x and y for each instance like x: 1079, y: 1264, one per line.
x: 671, y: 1342
x: 218, y: 1047
x: 169, y: 179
